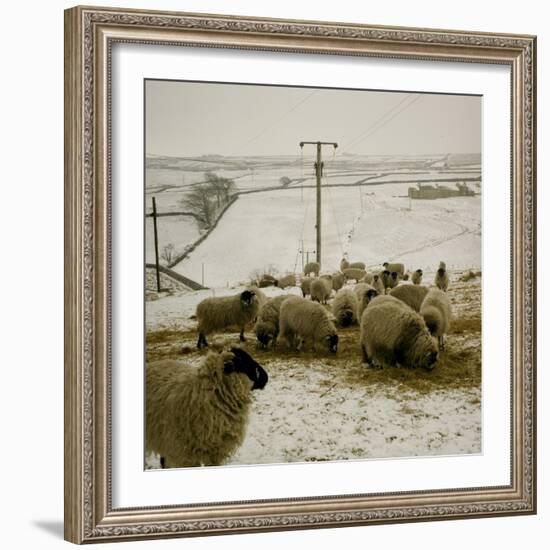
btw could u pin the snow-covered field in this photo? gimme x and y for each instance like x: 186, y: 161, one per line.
x: 318, y: 406
x: 315, y: 406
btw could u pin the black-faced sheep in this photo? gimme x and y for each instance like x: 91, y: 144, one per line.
x: 198, y: 416
x: 312, y: 267
x: 287, y: 281
x: 321, y: 289
x: 417, y: 277
x: 267, y: 325
x: 217, y: 313
x: 345, y: 307
x: 397, y: 267
x: 352, y: 273
x: 412, y: 295
x: 302, y: 320
x: 389, y: 279
x: 392, y: 333
x: 365, y: 293
x: 437, y: 312
x: 441, y: 277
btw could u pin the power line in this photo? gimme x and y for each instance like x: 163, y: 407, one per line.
x: 277, y: 121
x: 384, y: 121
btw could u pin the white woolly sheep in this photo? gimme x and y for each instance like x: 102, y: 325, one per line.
x: 353, y: 273
x: 392, y: 333
x: 441, y: 277
x: 378, y: 283
x: 267, y: 325
x: 344, y: 264
x: 320, y: 290
x: 305, y: 285
x: 217, y: 313
x: 338, y: 281
x: 301, y: 320
x: 398, y: 268
x: 357, y: 265
x: 312, y: 267
x: 345, y: 307
x: 198, y: 416
x: 412, y: 295
x: 287, y: 281
x: 417, y: 277
x: 368, y: 278
x: 437, y: 313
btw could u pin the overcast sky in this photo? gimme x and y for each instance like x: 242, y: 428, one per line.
x: 190, y: 119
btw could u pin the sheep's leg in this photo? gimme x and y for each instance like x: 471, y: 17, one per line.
x: 366, y: 358
x: 202, y: 341
x: 162, y: 462
x: 241, y: 335
x: 442, y: 342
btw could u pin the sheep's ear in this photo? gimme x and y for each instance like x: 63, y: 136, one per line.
x: 371, y: 294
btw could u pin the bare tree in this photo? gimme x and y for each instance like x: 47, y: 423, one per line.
x: 199, y: 201
x: 222, y: 188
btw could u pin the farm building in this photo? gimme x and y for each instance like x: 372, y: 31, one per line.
x: 439, y: 191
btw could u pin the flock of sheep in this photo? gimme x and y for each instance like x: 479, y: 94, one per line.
x: 198, y: 416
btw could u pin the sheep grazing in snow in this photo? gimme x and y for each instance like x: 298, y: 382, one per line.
x: 437, y: 313
x: 217, y: 313
x: 338, y: 281
x: 320, y: 290
x: 354, y: 273
x: 398, y: 268
x: 357, y: 265
x: 302, y: 320
x: 287, y: 281
x: 365, y: 293
x: 344, y: 264
x: 378, y: 283
x: 345, y: 307
x: 417, y: 277
x: 267, y: 325
x: 392, y: 333
x: 312, y: 267
x: 441, y: 277
x: 198, y: 416
x: 412, y: 295
x: 389, y: 279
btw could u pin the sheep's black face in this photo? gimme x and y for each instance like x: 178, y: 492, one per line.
x: 385, y: 264
x: 441, y: 272
x: 419, y: 271
x: 242, y: 362
x: 332, y: 342
x: 371, y: 294
x: 347, y: 318
x: 431, y: 360
x: 394, y: 275
x: 247, y: 297
x: 264, y: 339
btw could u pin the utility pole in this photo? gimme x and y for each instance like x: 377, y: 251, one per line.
x: 156, y: 243
x: 318, y: 173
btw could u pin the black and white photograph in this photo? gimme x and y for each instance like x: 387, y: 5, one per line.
x: 313, y: 267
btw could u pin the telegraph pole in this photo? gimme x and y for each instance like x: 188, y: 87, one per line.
x: 318, y: 173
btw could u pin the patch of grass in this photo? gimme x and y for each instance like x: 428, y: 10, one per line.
x: 466, y: 324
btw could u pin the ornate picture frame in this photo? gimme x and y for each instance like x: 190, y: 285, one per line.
x: 90, y: 34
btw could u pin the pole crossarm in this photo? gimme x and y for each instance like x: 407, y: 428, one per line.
x: 318, y: 173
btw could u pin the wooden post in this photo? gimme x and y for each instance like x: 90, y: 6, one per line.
x: 156, y: 243
x: 318, y: 173
x: 318, y: 170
